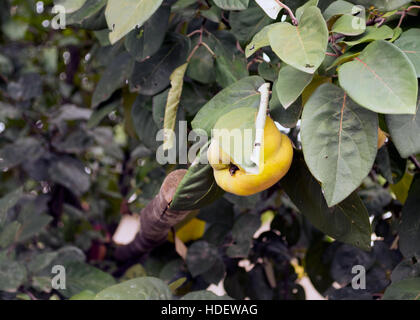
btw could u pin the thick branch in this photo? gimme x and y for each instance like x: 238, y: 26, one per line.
x: 156, y: 220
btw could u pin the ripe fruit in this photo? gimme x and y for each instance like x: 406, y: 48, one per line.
x: 192, y: 230
x: 381, y: 138
x: 274, y: 164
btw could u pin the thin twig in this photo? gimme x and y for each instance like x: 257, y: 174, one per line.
x: 205, y: 45
x: 289, y: 11
x: 193, y: 52
x: 238, y: 46
x: 404, y: 14
x: 331, y: 54
x: 200, y: 43
x: 194, y: 32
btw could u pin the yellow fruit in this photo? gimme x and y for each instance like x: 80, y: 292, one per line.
x: 274, y: 164
x: 381, y: 138
x: 192, y: 230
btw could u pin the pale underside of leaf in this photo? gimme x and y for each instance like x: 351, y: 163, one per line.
x: 174, y: 96
x: 124, y: 16
x: 303, y: 46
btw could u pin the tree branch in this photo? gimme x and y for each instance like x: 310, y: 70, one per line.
x: 156, y: 220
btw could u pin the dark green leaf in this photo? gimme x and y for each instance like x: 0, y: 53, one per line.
x: 408, y: 289
x: 114, y: 77
x: 347, y: 222
x: 152, y: 75
x: 144, y: 288
x: 409, y: 43
x: 339, y: 141
x: 146, y: 41
x: 405, y: 130
x: 81, y: 276
x: 409, y: 229
x: 198, y: 187
x: 201, y: 257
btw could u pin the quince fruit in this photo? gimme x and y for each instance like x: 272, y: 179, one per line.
x: 275, y: 161
x: 192, y: 230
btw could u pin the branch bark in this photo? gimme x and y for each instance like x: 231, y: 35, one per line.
x: 156, y: 220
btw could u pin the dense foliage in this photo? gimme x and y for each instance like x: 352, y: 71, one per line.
x: 81, y: 106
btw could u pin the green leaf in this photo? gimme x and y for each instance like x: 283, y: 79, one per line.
x: 383, y: 5
x: 100, y: 113
x: 144, y: 288
x: 372, y: 33
x: 144, y: 125
x: 347, y: 222
x: 123, y: 17
x: 84, y: 295
x: 133, y: 272
x: 409, y: 229
x: 182, y: 4
x: 407, y: 289
x: 339, y: 141
x: 259, y: 40
x: 230, y: 70
x: 301, y: 9
x: 245, y: 24
x: 41, y: 261
x: 390, y: 164
x: 32, y: 224
x: 173, y: 286
x: 70, y: 5
x: 232, y: 4
x: 213, y: 14
x: 8, y: 201
x: 243, y: 93
x: 114, y: 77
x: 201, y: 257
x: 146, y: 41
x: 198, y: 187
x: 269, y: 71
x: 402, y: 188
x: 409, y: 43
x: 12, y: 274
x: 20, y: 151
x: 171, y: 109
x: 338, y: 8
x: 242, y: 234
x: 404, y: 270
x: 270, y: 7
x: 405, y: 130
x: 9, y: 233
x: 350, y: 25
x: 204, y: 295
x: 286, y: 117
x: 87, y: 11
x: 81, y: 276
x: 302, y: 46
x: 152, y: 75
x: 237, y: 127
x: 201, y: 66
x: 381, y: 79
x: 290, y: 84
x: 346, y: 57
x: 70, y: 172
